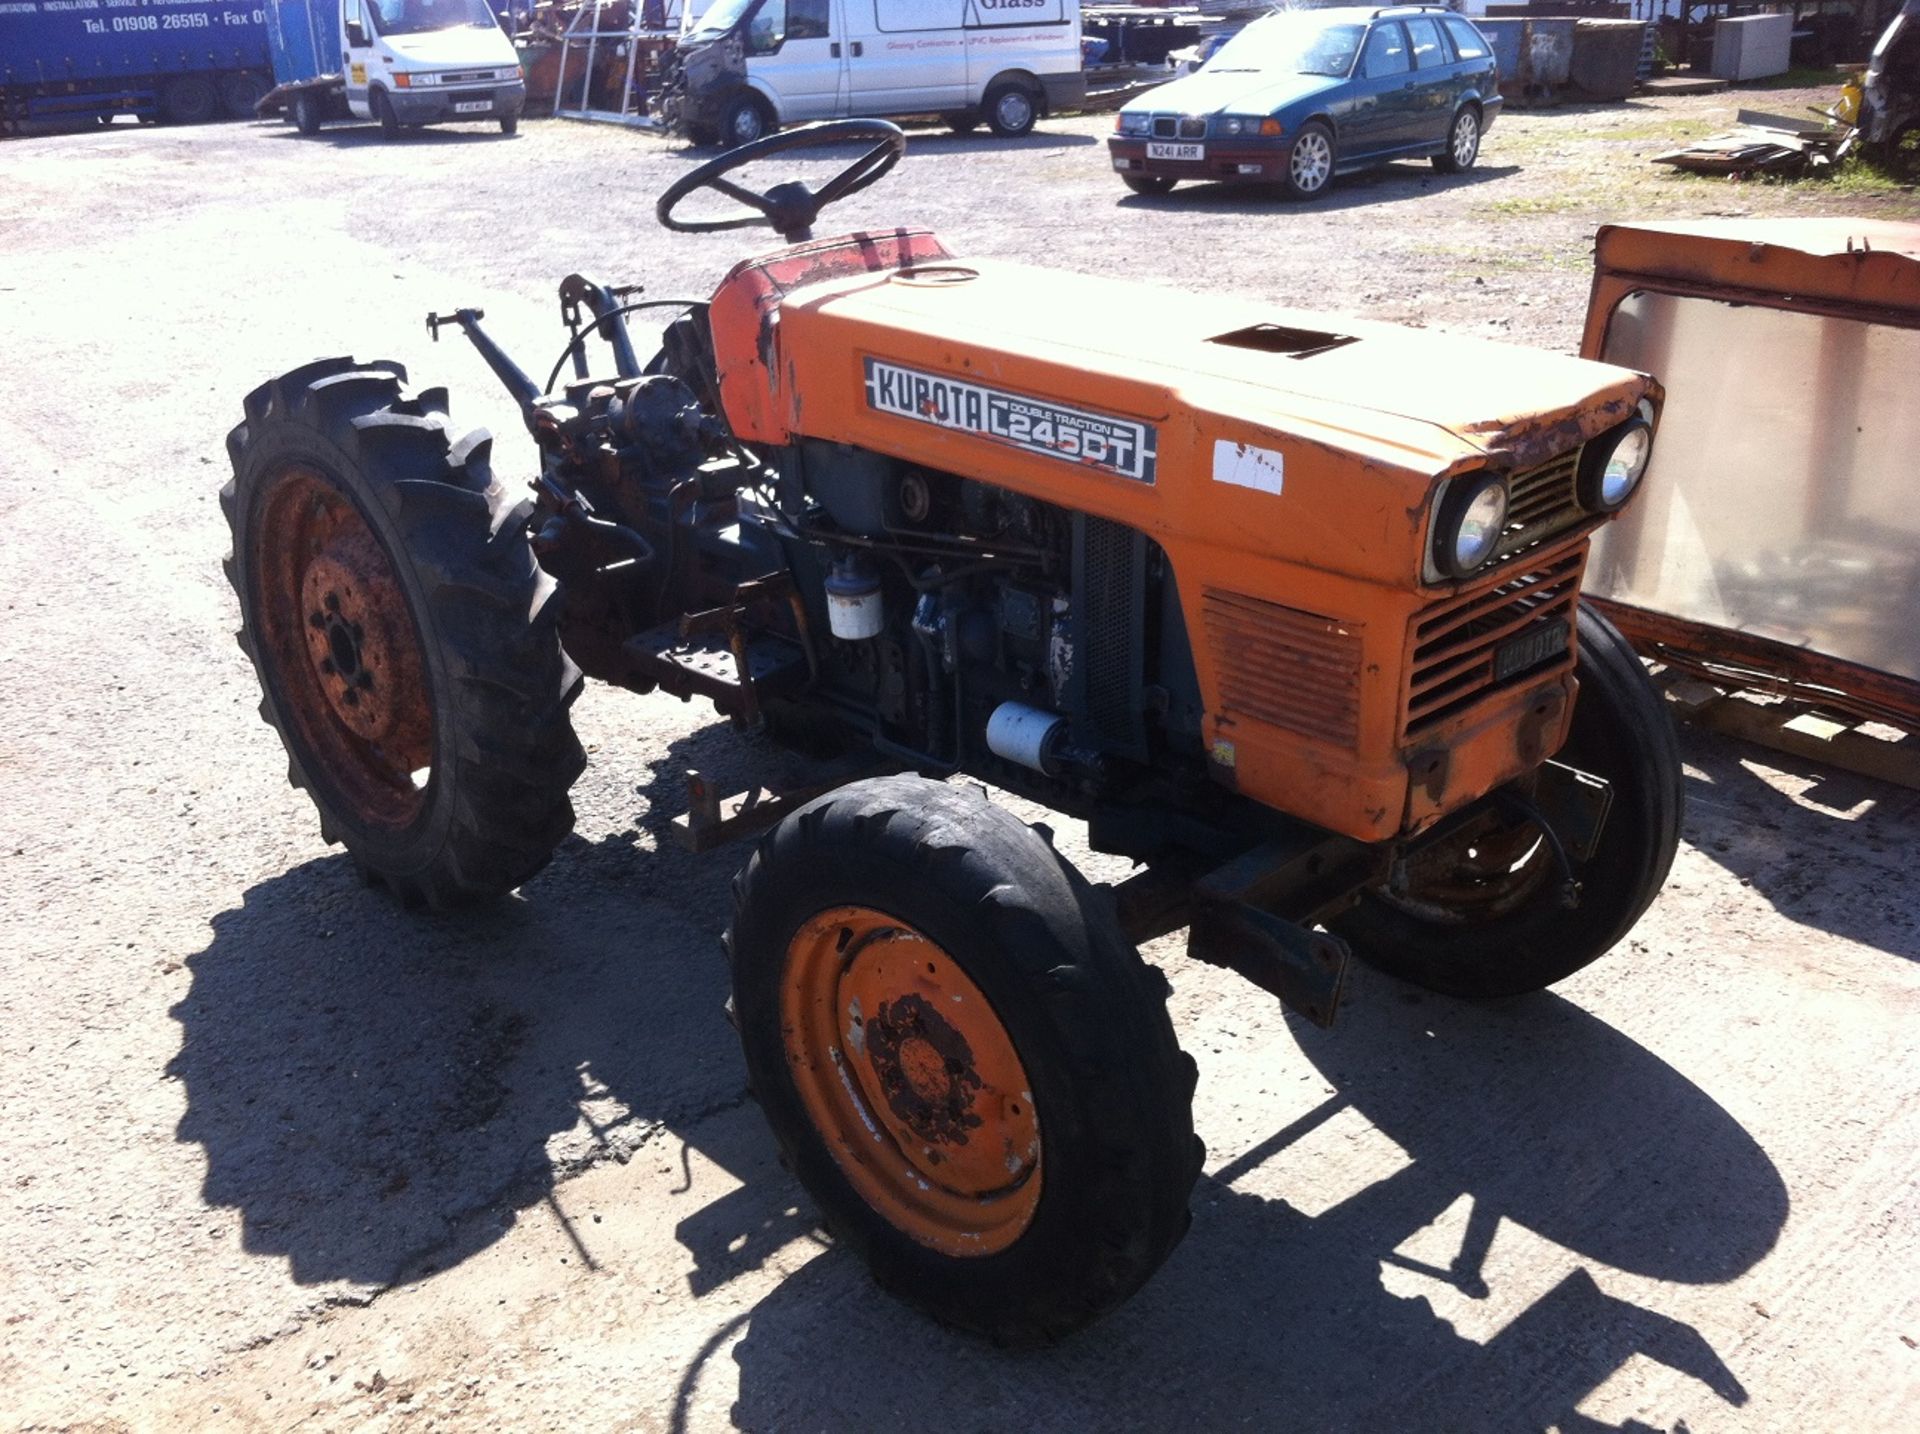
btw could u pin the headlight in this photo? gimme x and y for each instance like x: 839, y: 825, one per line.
x: 1613, y: 465
x: 1234, y: 126
x: 1133, y: 123
x: 1472, y: 516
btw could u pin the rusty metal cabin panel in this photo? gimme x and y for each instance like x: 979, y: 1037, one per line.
x: 1783, y: 501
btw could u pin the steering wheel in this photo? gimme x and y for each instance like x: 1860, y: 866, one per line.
x: 789, y: 208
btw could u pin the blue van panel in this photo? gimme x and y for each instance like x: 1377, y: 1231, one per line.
x: 64, y: 42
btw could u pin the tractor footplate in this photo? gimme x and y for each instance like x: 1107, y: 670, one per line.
x: 735, y: 672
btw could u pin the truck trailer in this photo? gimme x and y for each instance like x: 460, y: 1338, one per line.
x: 178, y: 61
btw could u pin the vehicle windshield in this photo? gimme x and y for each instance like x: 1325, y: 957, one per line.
x: 1295, y: 44
x: 418, y: 17
x: 722, y: 17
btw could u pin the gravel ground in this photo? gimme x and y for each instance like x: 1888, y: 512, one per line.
x: 279, y: 1155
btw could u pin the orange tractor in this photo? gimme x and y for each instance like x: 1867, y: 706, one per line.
x: 1287, y: 610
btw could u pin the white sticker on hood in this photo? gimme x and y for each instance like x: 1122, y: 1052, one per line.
x: 1246, y: 465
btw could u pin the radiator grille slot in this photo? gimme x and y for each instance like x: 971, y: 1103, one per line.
x: 1457, y: 642
x: 1293, y: 669
x: 1541, y: 503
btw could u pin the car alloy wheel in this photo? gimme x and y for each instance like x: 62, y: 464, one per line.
x: 1466, y: 139
x: 1310, y: 164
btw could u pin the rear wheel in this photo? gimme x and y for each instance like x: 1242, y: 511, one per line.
x: 1148, y: 183
x: 240, y: 92
x: 1485, y: 913
x: 1309, y: 162
x: 1463, y: 143
x: 189, y: 99
x: 963, y: 1059
x: 1010, y: 111
x: 405, y: 640
x: 306, y: 112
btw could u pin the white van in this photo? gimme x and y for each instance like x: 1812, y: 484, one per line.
x: 1001, y: 62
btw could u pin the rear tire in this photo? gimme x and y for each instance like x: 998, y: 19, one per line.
x: 189, y: 99
x: 240, y: 93
x: 1093, y: 1101
x: 1463, y: 143
x: 1011, y: 111
x: 398, y: 624
x: 306, y: 113
x: 1148, y: 183
x: 1621, y: 732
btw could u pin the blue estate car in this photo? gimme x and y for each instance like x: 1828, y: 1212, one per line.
x: 1303, y: 95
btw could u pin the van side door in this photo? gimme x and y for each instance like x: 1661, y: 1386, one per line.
x: 1039, y: 36
x: 906, y: 56
x: 795, y: 53
x: 356, y: 59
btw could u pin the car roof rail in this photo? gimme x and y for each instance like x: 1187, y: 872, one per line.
x: 1386, y: 10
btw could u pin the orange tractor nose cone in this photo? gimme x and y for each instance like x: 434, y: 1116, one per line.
x: 907, y: 1071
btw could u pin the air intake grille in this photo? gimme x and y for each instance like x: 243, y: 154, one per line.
x: 1279, y: 665
x: 1109, y: 601
x: 1483, y: 642
x: 1541, y: 503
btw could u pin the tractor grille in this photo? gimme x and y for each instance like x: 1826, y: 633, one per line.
x: 1475, y: 644
x: 1279, y: 665
x: 1541, y: 503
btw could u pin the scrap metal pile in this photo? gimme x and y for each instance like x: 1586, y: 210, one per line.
x: 1768, y: 144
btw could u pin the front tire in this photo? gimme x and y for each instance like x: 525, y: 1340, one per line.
x: 1463, y: 143
x: 1148, y: 183
x: 405, y: 641
x: 1504, y: 932
x: 747, y: 119
x: 383, y: 114
x: 963, y: 1059
x: 509, y: 124
x: 1309, y: 162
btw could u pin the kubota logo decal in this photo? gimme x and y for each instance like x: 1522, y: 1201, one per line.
x: 1093, y: 440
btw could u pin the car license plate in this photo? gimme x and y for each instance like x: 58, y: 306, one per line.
x: 1529, y: 649
x: 472, y: 107
x: 1157, y: 150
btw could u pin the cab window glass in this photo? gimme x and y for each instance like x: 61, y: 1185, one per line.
x: 767, y: 31
x: 807, y: 19
x: 1466, y: 39
x: 1386, y: 53
x: 1427, y: 51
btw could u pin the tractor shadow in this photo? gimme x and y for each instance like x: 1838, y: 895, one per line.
x: 1838, y: 859
x: 378, y: 1091
x: 1269, y: 1318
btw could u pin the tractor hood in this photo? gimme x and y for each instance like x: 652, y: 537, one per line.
x: 1244, y: 92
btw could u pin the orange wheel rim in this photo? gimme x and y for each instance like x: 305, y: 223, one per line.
x: 912, y: 1080
x: 334, y: 621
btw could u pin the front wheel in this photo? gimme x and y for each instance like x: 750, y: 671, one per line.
x: 1148, y: 183
x: 383, y: 115
x: 1485, y: 913
x: 746, y: 121
x: 1309, y: 162
x: 963, y: 1059
x: 1463, y: 144
x: 509, y: 124
x: 406, y: 643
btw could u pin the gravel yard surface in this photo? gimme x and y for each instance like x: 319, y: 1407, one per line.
x: 279, y: 1155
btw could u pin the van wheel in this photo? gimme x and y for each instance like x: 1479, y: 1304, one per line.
x: 962, y: 121
x: 747, y: 119
x: 383, y: 114
x: 509, y: 124
x: 306, y: 112
x: 1011, y: 111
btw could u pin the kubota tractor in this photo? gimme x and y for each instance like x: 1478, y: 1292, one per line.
x: 1286, y: 609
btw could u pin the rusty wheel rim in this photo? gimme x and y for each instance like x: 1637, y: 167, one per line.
x: 1487, y: 870
x: 333, y: 617
x: 912, y: 1080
